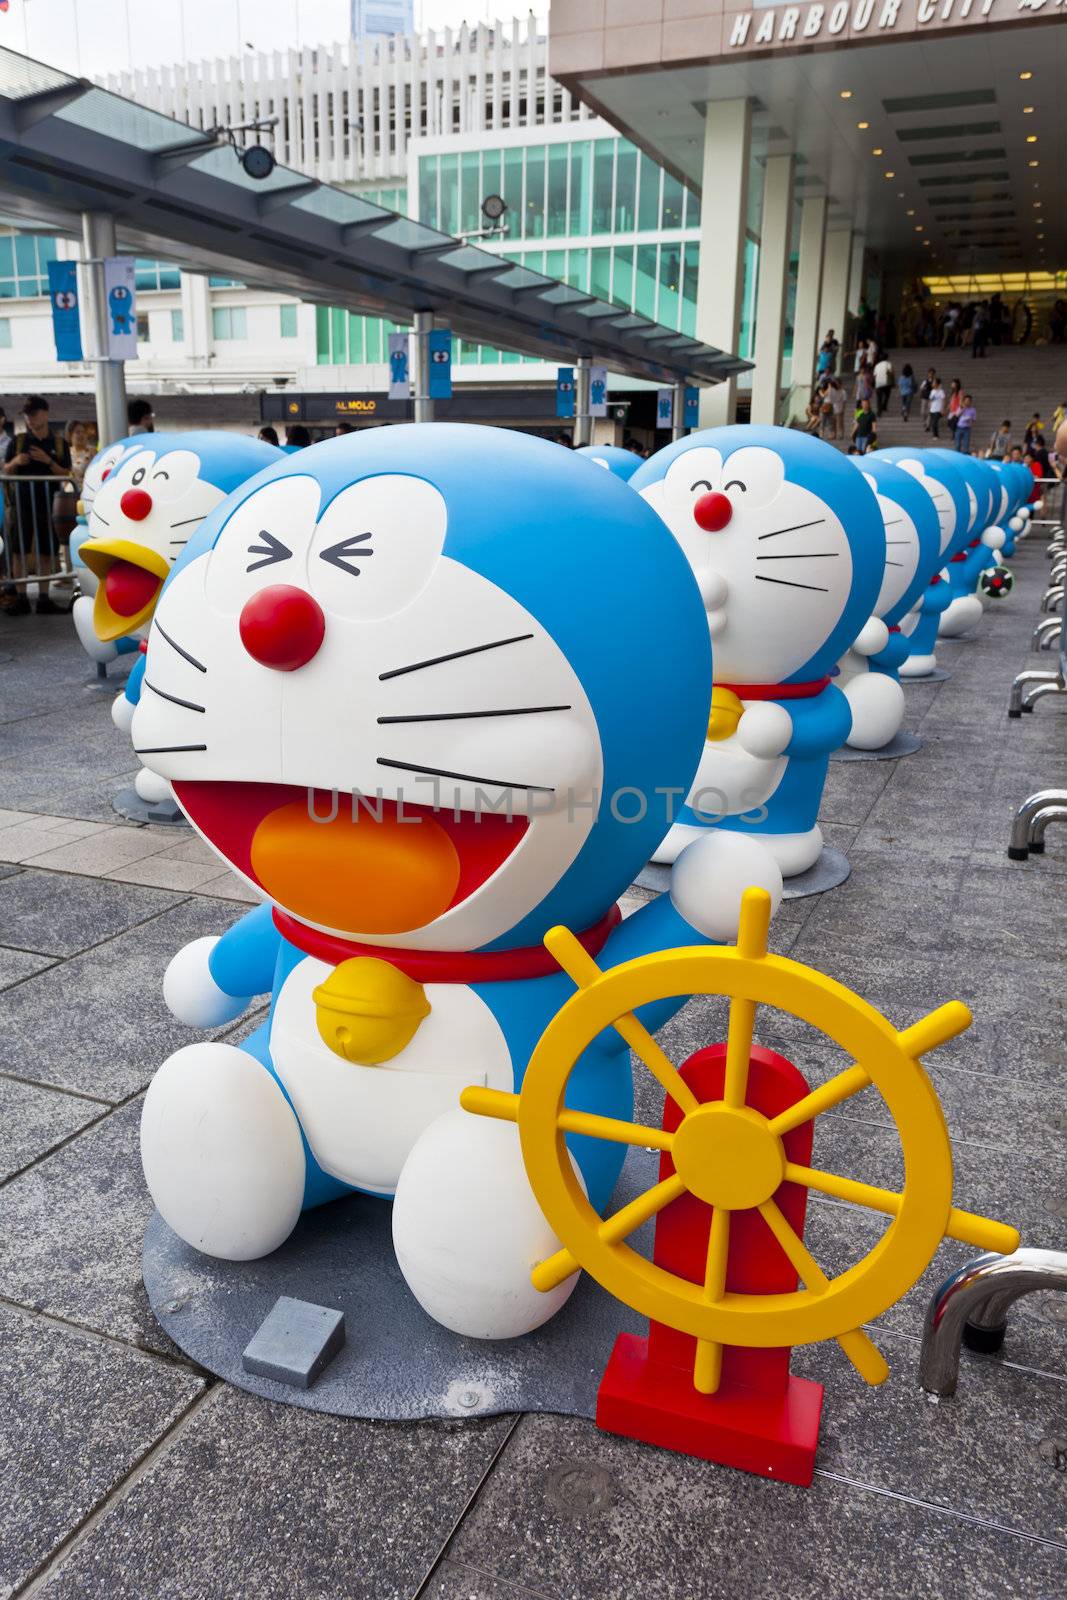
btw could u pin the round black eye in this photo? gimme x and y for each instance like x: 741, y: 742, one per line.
x: 138, y: 476
x: 735, y: 483
x: 701, y: 483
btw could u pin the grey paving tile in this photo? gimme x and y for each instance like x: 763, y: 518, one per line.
x: 229, y: 887
x: 18, y: 964
x: 33, y: 1121
x: 852, y: 788
x: 98, y: 854
x: 315, y: 1506
x: 71, y: 1230
x: 166, y: 873
x: 78, y: 1414
x: 456, y: 1581
x: 580, y: 1515
x: 97, y: 1023
x: 41, y: 833
x: 60, y: 915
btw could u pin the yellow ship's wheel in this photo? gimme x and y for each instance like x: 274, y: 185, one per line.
x: 731, y: 1157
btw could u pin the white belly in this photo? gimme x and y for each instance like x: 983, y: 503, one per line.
x: 361, y: 1122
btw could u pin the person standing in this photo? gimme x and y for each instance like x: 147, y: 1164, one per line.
x: 965, y: 421
x: 979, y: 330
x: 1000, y: 445
x: 952, y: 404
x: 906, y: 387
x: 140, y: 418
x: 936, y: 404
x: 925, y: 390
x: 883, y: 382
x: 837, y: 404
x: 81, y: 451
x: 39, y: 454
x: 864, y: 429
x: 826, y: 365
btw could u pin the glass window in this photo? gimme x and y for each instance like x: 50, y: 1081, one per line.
x: 492, y: 175
x: 322, y: 335
x: 670, y: 284
x: 7, y: 256
x: 625, y: 189
x: 470, y: 191
x: 647, y: 195
x: 645, y: 283
x: 5, y: 333
x: 25, y: 255
x: 622, y: 289
x: 428, y: 190
x: 672, y: 202
x: 177, y: 327
x: 603, y: 178
x: 581, y: 168
x: 748, y: 300
x: 375, y: 336
x: 512, y: 190
x: 578, y: 269
x: 355, y: 329
x: 534, y: 260
x: 556, y: 211
x: 28, y: 287
x: 555, y: 264
x: 449, y: 221
x: 534, y: 217
x: 689, y: 288
x: 339, y: 335
x: 287, y: 321
x: 169, y: 277
x: 224, y: 283
x: 692, y: 209
x: 600, y: 274
x: 143, y: 334
x: 229, y: 322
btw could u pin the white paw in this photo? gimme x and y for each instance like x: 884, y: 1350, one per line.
x: 150, y: 787
x: 222, y: 1153
x: 95, y: 649
x: 872, y: 637
x: 877, y: 704
x: 959, y: 617
x: 994, y: 538
x: 468, y: 1232
x: 764, y: 729
x: 122, y: 711
x: 711, y: 875
x: 192, y: 994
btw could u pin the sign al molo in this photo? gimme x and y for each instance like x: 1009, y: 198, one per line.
x: 774, y: 24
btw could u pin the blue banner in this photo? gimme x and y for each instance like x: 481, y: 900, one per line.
x: 565, y: 392
x: 66, y: 315
x: 691, y: 415
x: 664, y: 407
x: 439, y: 345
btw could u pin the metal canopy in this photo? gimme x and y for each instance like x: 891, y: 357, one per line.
x: 67, y: 146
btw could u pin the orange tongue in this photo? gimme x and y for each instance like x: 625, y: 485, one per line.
x: 375, y: 876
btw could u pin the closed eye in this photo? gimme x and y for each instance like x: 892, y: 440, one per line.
x: 701, y: 483
x: 160, y: 474
x: 271, y: 550
x: 339, y: 555
x: 735, y: 483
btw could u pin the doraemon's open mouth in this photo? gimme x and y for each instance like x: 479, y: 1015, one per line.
x: 131, y: 577
x: 360, y: 867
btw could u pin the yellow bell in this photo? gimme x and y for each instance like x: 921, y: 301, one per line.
x: 726, y: 710
x: 368, y: 1010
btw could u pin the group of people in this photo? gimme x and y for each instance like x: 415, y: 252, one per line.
x: 39, y: 464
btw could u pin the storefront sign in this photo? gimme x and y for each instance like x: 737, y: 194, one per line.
x: 766, y: 26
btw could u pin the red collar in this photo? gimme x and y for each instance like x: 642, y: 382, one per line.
x: 961, y: 556
x: 776, y: 691
x: 444, y: 966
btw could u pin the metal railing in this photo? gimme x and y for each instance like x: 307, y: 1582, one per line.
x: 1031, y: 821
x: 971, y: 1307
x: 39, y: 516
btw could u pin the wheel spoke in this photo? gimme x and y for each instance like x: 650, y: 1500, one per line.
x: 707, y: 1368
x: 860, y: 1349
x: 831, y: 1093
x: 495, y: 1103
x: 962, y: 1225
x: 754, y: 924
x: 738, y: 1050
x: 555, y: 1268
x: 938, y: 1027
x: 580, y: 967
x: 612, y: 1128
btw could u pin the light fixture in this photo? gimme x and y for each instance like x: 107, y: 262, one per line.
x: 846, y: 94
x: 1026, y: 76
x: 1028, y: 111
x: 1037, y: 205
x: 911, y: 213
x: 862, y: 125
x: 900, y: 194
x: 1041, y: 236
x: 1031, y: 138
x: 890, y: 174
x: 1035, y: 163
x: 877, y: 151
x: 918, y: 227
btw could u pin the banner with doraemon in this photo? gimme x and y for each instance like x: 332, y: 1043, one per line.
x: 120, y: 302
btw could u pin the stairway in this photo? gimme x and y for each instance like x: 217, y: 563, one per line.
x: 1011, y: 381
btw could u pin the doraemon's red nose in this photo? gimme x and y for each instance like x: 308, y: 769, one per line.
x: 713, y: 511
x: 135, y: 504
x: 282, y: 627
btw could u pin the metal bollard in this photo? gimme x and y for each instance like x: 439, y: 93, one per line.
x: 1019, y: 847
x: 1022, y: 682
x: 1046, y: 633
x: 1040, y: 823
x: 978, y: 1297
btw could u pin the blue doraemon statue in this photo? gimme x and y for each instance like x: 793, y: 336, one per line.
x: 868, y: 671
x: 623, y: 463
x: 786, y: 541
x: 149, y: 497
x: 947, y: 495
x: 378, y: 701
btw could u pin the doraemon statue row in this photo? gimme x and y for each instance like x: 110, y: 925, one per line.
x: 868, y: 671
x: 101, y: 650
x: 787, y: 544
x: 144, y: 498
x: 946, y: 491
x: 385, y: 680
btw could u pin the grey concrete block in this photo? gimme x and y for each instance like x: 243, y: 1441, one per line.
x: 296, y: 1342
x: 33, y: 1121
x: 18, y: 964
x: 78, y: 1414
x: 61, y: 918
